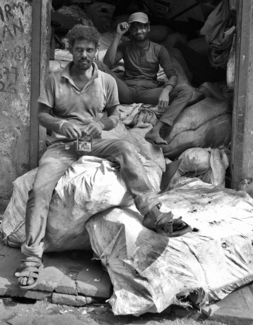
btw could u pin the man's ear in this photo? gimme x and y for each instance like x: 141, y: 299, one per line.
x: 97, y: 50
x: 148, y: 27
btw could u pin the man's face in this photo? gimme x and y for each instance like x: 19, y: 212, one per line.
x: 84, y: 53
x: 139, y: 31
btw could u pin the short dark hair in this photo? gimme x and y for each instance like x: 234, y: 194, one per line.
x: 81, y: 32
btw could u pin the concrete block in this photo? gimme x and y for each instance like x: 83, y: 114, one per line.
x: 70, y: 300
x: 93, y: 281
x: 65, y: 273
x: 237, y: 307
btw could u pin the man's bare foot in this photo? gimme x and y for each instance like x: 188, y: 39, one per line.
x: 154, y: 138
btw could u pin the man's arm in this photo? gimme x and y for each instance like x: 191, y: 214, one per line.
x: 113, y: 55
x: 95, y: 128
x: 57, y: 125
x: 165, y: 61
x: 112, y: 119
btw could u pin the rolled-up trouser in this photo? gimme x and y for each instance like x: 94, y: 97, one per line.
x: 54, y: 163
x: 146, y: 92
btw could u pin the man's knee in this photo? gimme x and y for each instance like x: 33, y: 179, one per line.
x: 125, y: 147
x: 185, y: 91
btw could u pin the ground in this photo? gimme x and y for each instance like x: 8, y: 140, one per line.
x: 28, y: 312
x: 73, y: 290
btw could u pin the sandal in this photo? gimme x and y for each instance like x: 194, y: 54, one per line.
x: 170, y: 227
x: 30, y: 268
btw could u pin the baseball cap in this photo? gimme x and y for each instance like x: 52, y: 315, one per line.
x: 139, y: 17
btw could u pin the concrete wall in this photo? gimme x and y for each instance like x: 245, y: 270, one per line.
x: 242, y: 138
x: 15, y: 76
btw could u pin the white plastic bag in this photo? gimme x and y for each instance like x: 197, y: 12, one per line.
x: 148, y: 271
x: 195, y: 161
x: 208, y: 164
x: 89, y: 186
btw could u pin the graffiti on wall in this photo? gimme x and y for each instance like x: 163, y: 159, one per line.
x: 8, y: 13
x: 12, y: 58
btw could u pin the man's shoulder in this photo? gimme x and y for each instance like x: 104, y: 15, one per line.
x: 156, y: 45
x: 106, y: 77
x: 55, y: 75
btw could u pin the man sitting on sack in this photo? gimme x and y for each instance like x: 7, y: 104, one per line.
x: 77, y: 97
x: 142, y: 59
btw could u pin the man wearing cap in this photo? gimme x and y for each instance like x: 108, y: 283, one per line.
x: 142, y: 59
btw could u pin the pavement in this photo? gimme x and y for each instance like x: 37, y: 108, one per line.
x: 73, y: 289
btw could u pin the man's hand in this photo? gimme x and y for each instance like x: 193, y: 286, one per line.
x: 122, y: 28
x: 70, y: 130
x: 164, y: 99
x: 93, y: 129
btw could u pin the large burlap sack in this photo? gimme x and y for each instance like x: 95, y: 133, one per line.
x: 149, y: 272
x: 205, y: 124
x: 89, y: 186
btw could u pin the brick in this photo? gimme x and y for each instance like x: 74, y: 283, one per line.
x: 70, y: 300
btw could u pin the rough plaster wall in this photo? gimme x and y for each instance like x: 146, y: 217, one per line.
x: 44, y: 68
x: 15, y: 73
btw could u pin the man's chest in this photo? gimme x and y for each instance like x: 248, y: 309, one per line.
x: 69, y: 97
x: 142, y: 58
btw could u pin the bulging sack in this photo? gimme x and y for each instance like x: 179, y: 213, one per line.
x: 205, y: 124
x: 208, y: 164
x: 89, y: 186
x: 150, y: 271
x: 195, y: 161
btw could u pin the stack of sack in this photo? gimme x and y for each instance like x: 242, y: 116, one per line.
x: 149, y: 272
x: 89, y: 186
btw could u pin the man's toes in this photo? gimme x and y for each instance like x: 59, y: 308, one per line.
x: 30, y: 281
x: 159, y: 140
x: 22, y: 281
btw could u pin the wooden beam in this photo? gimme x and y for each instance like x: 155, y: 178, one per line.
x: 35, y: 82
x: 242, y: 134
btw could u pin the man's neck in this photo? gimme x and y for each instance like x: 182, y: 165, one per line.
x: 142, y: 44
x: 81, y: 74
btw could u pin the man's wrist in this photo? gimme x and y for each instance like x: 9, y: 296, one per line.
x: 101, y: 125
x: 61, y: 124
x: 169, y: 85
x: 117, y: 36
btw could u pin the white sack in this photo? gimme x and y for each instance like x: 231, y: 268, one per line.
x: 89, y: 186
x: 195, y: 160
x: 209, y: 164
x: 148, y: 271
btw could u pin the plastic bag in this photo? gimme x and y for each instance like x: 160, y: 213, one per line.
x: 89, y: 186
x: 208, y: 164
x: 195, y: 161
x: 150, y: 271
x: 218, y: 163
